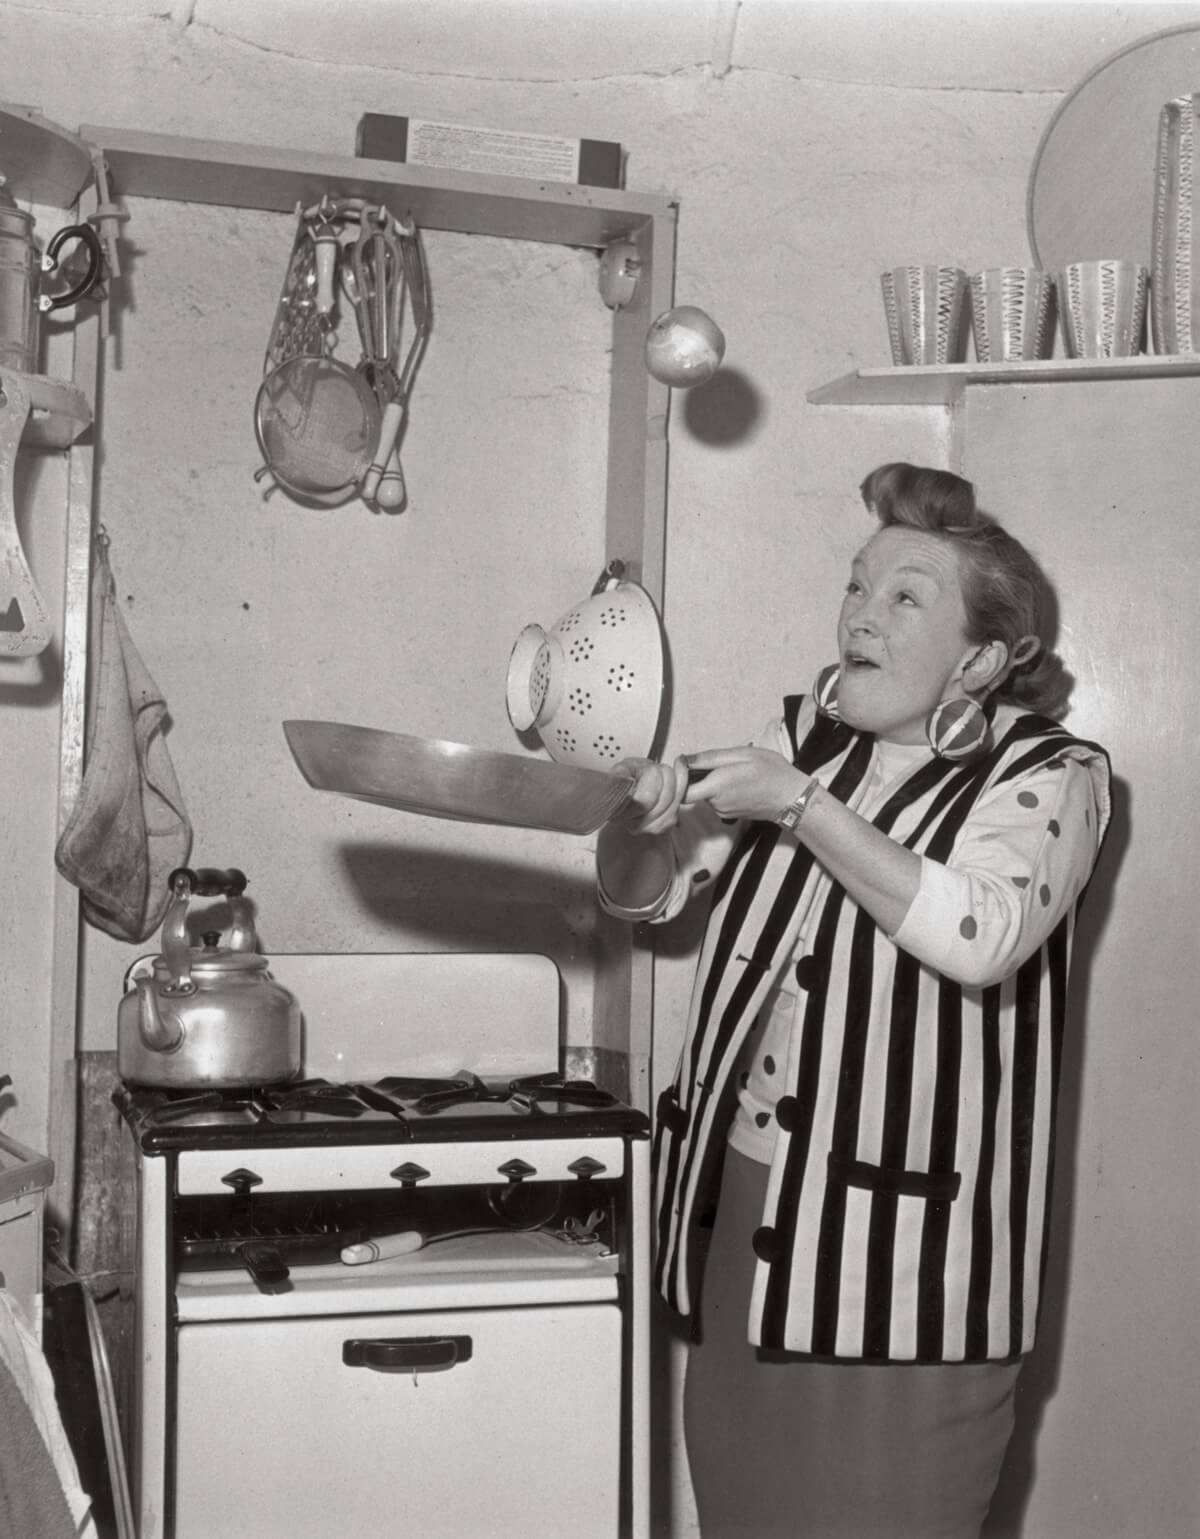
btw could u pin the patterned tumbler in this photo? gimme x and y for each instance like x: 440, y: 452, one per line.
x: 1175, y: 303
x: 926, y: 313
x: 1102, y: 306
x: 1012, y: 314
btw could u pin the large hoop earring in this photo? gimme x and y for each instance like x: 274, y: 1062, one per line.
x: 958, y: 729
x: 825, y: 691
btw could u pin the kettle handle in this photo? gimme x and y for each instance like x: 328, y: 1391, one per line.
x: 209, y: 882
x: 204, y: 882
x: 86, y: 235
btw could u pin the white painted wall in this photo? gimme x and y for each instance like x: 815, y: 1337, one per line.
x: 811, y: 145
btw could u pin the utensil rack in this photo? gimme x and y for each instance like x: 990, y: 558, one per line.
x: 235, y: 175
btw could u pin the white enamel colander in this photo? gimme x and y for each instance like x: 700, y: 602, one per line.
x: 592, y: 686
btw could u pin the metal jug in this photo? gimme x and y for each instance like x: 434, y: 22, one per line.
x: 208, y: 1016
x: 22, y: 267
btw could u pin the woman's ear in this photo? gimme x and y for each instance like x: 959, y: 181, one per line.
x: 985, y: 668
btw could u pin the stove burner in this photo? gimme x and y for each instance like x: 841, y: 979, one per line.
x: 526, y: 1095
x: 315, y: 1095
x: 207, y: 1108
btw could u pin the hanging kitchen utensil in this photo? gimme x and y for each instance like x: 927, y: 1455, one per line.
x: 24, y: 623
x: 304, y: 313
x: 315, y: 417
x: 387, y: 261
x: 317, y: 424
x: 592, y: 686
x: 451, y: 780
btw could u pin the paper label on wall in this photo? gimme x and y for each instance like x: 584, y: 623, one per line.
x: 492, y: 151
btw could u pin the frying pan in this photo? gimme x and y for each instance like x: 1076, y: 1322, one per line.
x: 452, y: 780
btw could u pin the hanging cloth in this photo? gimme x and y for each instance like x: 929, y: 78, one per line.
x: 128, y: 829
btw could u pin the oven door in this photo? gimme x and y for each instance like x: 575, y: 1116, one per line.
x: 446, y: 1425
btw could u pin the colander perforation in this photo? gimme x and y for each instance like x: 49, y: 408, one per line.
x: 606, y: 747
x: 580, y: 701
x: 581, y: 649
x: 620, y: 677
x: 565, y: 740
x: 613, y: 616
x: 568, y: 622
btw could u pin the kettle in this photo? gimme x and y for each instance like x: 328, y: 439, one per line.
x: 208, y: 1016
x: 21, y: 268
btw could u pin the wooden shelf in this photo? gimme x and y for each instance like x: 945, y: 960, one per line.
x: 144, y: 165
x: 943, y: 384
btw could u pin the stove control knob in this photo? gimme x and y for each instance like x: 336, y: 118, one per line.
x: 516, y: 1170
x: 409, y: 1174
x: 241, y: 1180
x: 585, y: 1167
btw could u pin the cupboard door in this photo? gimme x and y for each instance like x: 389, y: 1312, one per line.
x: 455, y: 1425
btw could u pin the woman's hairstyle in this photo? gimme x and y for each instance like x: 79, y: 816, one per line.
x: 1005, y: 592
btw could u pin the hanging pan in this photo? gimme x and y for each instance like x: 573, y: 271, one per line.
x: 452, y: 780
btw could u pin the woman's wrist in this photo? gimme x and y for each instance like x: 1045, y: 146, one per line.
x: 791, y: 816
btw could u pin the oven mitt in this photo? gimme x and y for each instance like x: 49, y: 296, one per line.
x: 128, y: 829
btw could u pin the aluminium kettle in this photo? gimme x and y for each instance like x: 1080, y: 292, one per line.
x: 208, y: 1016
x: 23, y: 300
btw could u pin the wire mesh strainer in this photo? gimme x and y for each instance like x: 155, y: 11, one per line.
x: 317, y: 424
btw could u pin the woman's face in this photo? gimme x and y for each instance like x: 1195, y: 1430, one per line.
x: 902, y: 634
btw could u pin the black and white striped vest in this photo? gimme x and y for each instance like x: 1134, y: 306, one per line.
x: 937, y: 1259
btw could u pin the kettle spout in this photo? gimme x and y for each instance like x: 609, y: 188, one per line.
x: 159, y: 1035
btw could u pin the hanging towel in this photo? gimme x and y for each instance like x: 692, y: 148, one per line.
x: 128, y: 829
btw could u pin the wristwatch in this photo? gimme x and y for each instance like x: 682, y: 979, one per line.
x: 795, y: 810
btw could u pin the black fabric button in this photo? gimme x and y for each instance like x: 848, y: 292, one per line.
x: 809, y: 972
x: 761, y: 1119
x: 786, y: 1112
x: 700, y: 876
x: 670, y: 1113
x: 766, y: 1244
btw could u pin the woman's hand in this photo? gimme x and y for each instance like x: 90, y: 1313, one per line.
x: 658, y: 793
x: 744, y: 782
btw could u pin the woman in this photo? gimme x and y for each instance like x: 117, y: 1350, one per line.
x: 867, y: 1080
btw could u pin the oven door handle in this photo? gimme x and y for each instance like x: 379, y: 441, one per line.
x: 406, y: 1354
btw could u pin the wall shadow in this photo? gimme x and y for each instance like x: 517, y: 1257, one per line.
x: 1040, y: 1376
x: 452, y: 901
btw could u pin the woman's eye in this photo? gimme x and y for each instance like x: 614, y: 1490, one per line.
x: 904, y: 597
x: 852, y: 589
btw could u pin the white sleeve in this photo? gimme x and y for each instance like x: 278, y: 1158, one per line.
x: 1022, y: 859
x: 701, y: 843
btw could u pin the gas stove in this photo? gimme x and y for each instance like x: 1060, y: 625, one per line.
x: 369, y: 1258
